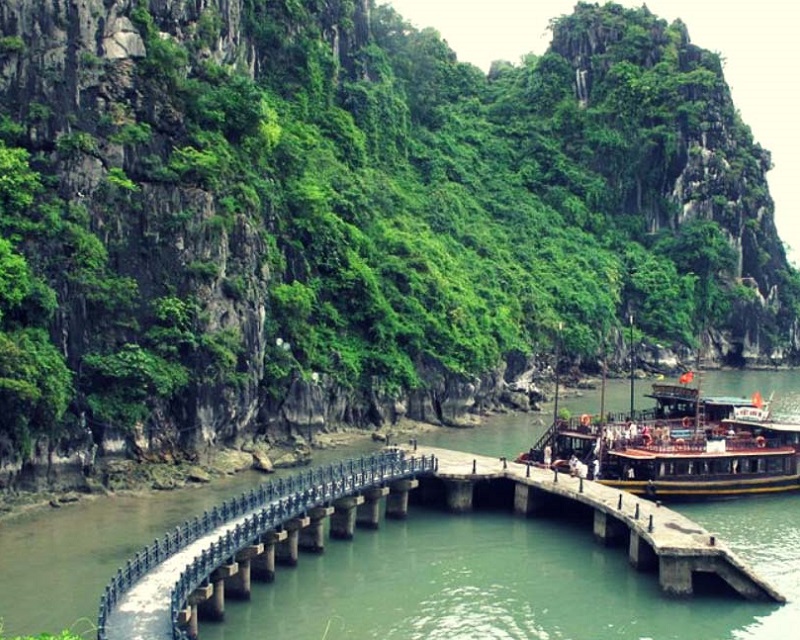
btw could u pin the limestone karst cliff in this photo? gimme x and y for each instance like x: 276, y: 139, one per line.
x: 243, y: 220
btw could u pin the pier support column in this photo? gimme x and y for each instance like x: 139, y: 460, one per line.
x: 262, y: 567
x: 368, y: 515
x: 343, y: 520
x: 527, y: 500
x: 213, y: 609
x: 397, y: 500
x: 640, y: 553
x: 201, y: 594
x: 459, y: 495
x: 608, y: 530
x: 675, y: 575
x: 286, y: 551
x: 237, y: 586
x: 312, y: 537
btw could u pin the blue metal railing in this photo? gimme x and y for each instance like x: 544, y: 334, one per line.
x: 272, y: 504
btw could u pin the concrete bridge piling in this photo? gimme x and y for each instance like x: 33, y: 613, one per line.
x: 213, y: 608
x: 262, y: 566
x: 397, y: 500
x: 368, y: 514
x: 237, y: 586
x: 312, y: 536
x: 343, y: 520
x: 250, y: 546
x: 286, y: 551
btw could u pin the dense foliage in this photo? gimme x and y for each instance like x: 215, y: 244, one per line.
x: 411, y: 210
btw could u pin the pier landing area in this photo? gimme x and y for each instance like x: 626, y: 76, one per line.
x: 658, y: 538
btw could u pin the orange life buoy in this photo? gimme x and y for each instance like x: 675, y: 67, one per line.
x: 586, y: 419
x: 686, y: 422
x: 761, y: 442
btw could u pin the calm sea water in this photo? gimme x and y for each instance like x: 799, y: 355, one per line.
x: 434, y: 576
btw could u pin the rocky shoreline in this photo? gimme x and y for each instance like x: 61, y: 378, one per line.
x: 118, y: 476
x: 166, y: 471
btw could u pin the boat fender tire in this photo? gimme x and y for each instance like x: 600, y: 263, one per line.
x: 686, y: 422
x: 761, y: 442
x: 650, y: 489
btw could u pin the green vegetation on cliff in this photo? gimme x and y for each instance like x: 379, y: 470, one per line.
x: 406, y: 211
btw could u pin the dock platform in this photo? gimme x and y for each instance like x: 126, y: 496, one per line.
x: 658, y: 538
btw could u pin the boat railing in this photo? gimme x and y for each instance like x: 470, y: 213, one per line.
x: 697, y: 444
x: 674, y: 391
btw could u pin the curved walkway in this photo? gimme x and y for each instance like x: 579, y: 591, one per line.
x: 143, y: 600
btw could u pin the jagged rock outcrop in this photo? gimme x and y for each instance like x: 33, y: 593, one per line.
x: 714, y: 170
x: 76, y: 74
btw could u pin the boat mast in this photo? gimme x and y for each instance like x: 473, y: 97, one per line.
x: 603, y: 386
x: 558, y: 348
x: 630, y: 317
x: 699, y: 376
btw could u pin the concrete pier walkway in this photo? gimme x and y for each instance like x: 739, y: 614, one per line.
x: 164, y: 591
x: 658, y: 537
x: 144, y: 612
x: 191, y: 575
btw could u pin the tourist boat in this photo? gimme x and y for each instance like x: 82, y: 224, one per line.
x: 687, y: 447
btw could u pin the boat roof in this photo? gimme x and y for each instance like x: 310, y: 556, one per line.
x: 783, y: 427
x: 728, y: 401
x: 632, y: 453
x: 661, y: 391
x: 672, y: 391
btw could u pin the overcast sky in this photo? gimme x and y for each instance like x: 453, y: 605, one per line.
x: 755, y: 39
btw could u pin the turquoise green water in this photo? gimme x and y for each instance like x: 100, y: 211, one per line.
x: 479, y: 576
x: 484, y: 575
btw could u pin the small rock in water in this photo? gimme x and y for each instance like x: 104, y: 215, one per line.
x: 196, y: 474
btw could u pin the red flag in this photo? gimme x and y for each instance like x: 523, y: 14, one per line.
x: 757, y: 400
x: 687, y: 377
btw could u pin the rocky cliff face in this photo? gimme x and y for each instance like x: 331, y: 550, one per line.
x: 75, y: 73
x: 69, y: 70
x: 714, y: 170
x: 75, y: 70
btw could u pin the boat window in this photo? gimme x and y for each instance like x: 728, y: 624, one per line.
x: 721, y: 466
x: 775, y: 465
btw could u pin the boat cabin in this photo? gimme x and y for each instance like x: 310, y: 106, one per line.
x: 678, y: 401
x: 638, y: 464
